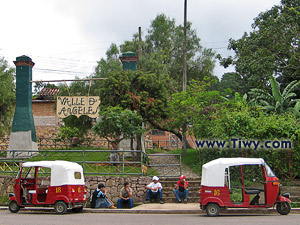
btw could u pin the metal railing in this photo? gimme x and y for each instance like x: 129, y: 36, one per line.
x: 94, y: 162
x: 87, y: 158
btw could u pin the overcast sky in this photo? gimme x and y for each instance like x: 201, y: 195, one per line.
x: 67, y: 37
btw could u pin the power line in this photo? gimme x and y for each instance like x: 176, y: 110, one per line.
x: 47, y: 81
x: 60, y: 71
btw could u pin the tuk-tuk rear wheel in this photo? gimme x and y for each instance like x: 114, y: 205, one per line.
x: 212, y: 209
x: 13, y: 207
x: 60, y: 207
x: 283, y: 208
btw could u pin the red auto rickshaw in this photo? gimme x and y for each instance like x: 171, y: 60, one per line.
x: 64, y: 189
x: 218, y: 190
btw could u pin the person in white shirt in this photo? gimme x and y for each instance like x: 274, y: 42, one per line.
x: 154, y: 190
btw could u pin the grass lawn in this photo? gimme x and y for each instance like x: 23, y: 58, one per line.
x: 96, y: 162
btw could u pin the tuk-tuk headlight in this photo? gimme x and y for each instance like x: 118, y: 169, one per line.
x: 73, y: 191
x: 199, y: 193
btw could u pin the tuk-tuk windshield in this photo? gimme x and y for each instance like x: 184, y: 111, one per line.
x: 269, y: 171
x: 26, y: 172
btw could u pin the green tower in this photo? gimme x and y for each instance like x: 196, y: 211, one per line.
x: 129, y: 60
x: 23, y: 135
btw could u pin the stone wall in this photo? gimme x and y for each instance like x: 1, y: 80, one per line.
x: 46, y: 131
x: 113, y: 186
x: 6, y: 185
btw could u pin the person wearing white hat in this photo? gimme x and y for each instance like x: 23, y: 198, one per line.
x: 154, y: 189
x: 181, y: 189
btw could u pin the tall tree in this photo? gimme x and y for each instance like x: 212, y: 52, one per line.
x: 7, y: 95
x: 147, y: 93
x: 110, y: 64
x: 116, y: 124
x: 234, y: 82
x: 271, y: 49
x: 194, y: 107
x: 163, y: 47
x: 149, y: 90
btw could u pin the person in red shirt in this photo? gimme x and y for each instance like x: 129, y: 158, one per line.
x: 181, y: 189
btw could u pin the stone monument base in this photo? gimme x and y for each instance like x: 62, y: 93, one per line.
x: 21, y: 142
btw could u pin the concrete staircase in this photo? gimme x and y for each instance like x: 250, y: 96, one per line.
x: 294, y: 192
x: 168, y: 186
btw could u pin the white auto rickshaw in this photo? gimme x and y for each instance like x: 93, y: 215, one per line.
x: 218, y: 187
x: 64, y: 189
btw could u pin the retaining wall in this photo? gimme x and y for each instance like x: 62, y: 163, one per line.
x: 113, y: 186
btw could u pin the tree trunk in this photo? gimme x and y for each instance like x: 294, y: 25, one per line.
x: 176, y: 132
x: 115, y: 155
x: 137, y: 156
x: 184, y: 140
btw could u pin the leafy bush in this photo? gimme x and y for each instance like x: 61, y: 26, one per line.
x: 69, y: 134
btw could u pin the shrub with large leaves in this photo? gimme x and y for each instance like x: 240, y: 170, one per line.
x: 277, y: 102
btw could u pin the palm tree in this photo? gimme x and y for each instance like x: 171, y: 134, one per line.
x: 277, y: 102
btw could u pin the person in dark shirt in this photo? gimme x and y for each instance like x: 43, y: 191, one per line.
x: 125, y: 196
x: 181, y: 189
x: 100, y: 200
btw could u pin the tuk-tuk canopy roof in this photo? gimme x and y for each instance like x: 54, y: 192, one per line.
x: 62, y: 172
x: 213, y: 172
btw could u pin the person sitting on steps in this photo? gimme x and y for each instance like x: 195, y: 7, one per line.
x: 100, y: 200
x: 154, y: 190
x: 181, y: 189
x: 125, y: 196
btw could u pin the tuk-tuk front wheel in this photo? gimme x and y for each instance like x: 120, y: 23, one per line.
x: 212, y: 209
x: 13, y: 207
x: 60, y: 207
x: 283, y: 208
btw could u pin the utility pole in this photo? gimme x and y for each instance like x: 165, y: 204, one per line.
x: 184, y: 81
x: 142, y: 137
x: 184, y: 47
x: 140, y: 43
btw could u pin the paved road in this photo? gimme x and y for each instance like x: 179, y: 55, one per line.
x: 50, y: 218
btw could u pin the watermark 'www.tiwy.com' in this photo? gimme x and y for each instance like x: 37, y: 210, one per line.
x: 239, y: 143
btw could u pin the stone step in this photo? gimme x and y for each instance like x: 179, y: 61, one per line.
x: 171, y: 187
x: 189, y: 187
x: 171, y: 195
x: 175, y: 181
x: 172, y: 183
x: 174, y: 200
x: 177, y: 178
x: 295, y: 198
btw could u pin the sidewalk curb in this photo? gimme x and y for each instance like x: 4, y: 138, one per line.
x: 161, y: 211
